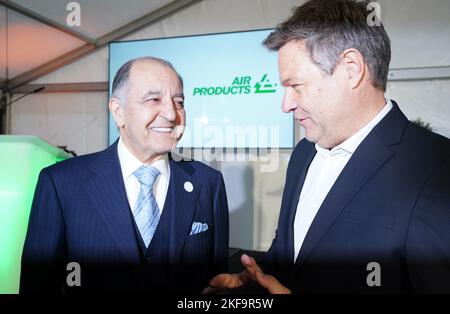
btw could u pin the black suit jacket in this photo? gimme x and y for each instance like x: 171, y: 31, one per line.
x: 389, y: 205
x: 80, y: 213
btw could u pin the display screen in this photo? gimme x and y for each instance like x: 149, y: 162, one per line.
x: 232, y: 91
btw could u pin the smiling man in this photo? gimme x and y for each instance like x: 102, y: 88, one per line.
x: 131, y: 217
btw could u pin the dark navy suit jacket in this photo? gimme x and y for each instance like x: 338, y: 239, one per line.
x: 389, y: 205
x: 80, y: 214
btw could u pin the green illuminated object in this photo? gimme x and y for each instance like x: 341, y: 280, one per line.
x: 21, y: 160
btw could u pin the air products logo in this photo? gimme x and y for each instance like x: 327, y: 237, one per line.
x: 240, y: 85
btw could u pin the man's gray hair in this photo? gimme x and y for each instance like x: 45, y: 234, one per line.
x: 120, y: 83
x: 328, y: 27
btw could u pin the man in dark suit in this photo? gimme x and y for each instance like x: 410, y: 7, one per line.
x: 366, y: 204
x: 130, y: 217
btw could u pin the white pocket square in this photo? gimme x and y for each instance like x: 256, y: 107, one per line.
x: 198, y: 227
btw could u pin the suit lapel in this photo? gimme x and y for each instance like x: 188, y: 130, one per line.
x: 183, y: 203
x: 299, y: 176
x: 107, y: 193
x: 372, y: 153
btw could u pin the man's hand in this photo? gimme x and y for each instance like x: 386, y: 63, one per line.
x: 252, y: 273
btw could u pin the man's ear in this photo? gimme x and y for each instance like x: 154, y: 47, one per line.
x: 117, y: 112
x: 353, y: 63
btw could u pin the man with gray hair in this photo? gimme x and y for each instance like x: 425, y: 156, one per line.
x: 366, y: 204
x: 132, y: 218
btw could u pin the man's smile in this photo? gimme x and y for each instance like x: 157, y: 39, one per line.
x: 162, y: 129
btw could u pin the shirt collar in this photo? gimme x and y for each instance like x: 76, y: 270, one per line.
x: 129, y: 163
x: 351, y: 144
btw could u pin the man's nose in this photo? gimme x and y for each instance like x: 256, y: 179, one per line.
x: 168, y: 110
x: 290, y: 103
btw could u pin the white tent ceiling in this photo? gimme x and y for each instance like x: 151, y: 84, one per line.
x: 30, y: 43
x: 35, y: 37
x: 99, y: 17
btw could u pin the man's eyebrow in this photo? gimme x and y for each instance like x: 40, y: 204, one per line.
x: 151, y: 93
x: 291, y: 80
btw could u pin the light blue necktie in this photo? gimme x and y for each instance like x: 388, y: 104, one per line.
x: 146, y: 213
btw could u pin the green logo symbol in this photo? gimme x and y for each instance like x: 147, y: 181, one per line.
x: 264, y: 86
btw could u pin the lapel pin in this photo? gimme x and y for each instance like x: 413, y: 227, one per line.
x: 188, y: 186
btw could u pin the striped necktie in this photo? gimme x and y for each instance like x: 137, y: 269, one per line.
x: 146, y: 212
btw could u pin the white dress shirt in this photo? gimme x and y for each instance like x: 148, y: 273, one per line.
x: 322, y: 173
x: 129, y: 163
